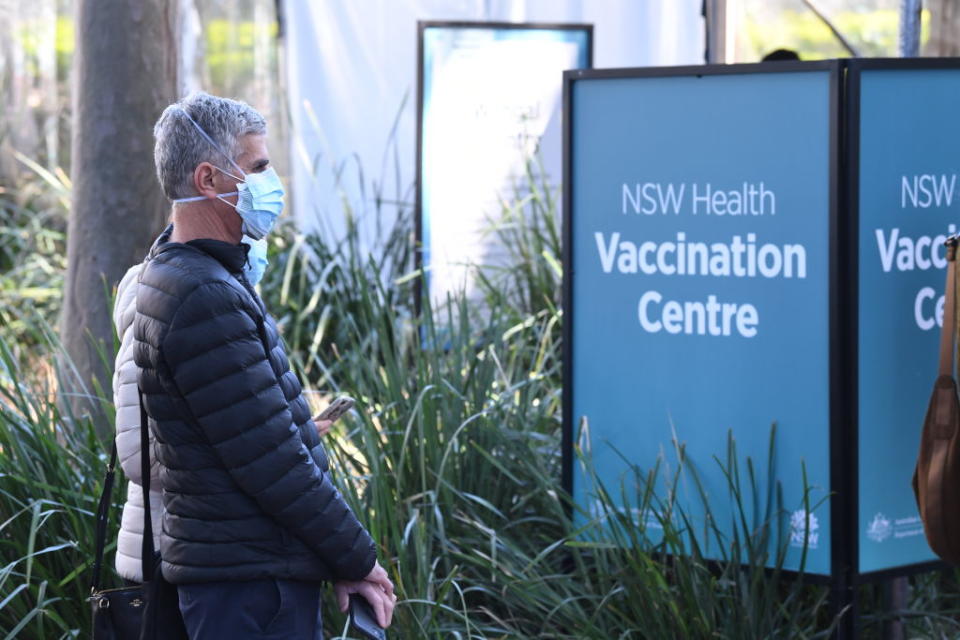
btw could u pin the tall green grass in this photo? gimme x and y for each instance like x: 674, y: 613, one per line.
x: 33, y: 252
x: 51, y: 467
x: 528, y: 227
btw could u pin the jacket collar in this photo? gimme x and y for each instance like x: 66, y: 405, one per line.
x: 231, y: 256
x: 162, y: 239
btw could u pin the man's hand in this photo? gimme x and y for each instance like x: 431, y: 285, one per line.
x: 378, y: 576
x: 380, y: 601
x: 323, y: 426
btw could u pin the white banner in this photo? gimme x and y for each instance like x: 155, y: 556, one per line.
x: 352, y: 73
x: 491, y: 98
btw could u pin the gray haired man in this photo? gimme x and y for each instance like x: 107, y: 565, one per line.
x: 252, y: 523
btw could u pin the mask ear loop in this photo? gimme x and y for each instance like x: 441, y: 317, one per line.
x: 218, y: 196
x: 214, y: 145
x: 231, y: 193
x: 227, y: 173
x: 221, y: 196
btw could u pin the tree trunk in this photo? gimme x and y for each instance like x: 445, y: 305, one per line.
x: 944, y: 28
x: 125, y: 74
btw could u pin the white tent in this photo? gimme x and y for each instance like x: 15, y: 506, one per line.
x: 352, y: 73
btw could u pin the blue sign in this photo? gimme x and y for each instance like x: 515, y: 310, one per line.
x: 699, y: 262
x: 909, y: 198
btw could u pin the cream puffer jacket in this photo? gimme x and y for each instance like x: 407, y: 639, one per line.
x: 127, y: 403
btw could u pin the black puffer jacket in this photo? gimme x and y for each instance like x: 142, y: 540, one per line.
x: 244, y: 474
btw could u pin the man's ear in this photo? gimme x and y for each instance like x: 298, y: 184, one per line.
x: 203, y: 179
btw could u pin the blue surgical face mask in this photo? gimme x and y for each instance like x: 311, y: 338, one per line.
x: 259, y: 195
x: 256, y: 260
x: 259, y: 201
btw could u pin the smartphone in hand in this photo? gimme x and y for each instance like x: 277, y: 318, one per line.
x: 364, y: 620
x: 336, y: 409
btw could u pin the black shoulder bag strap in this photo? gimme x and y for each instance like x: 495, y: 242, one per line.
x: 106, y: 496
x: 146, y: 550
x: 103, y: 519
x: 161, y: 615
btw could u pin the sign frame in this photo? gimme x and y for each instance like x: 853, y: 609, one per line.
x: 422, y: 26
x: 854, y: 73
x: 837, y: 409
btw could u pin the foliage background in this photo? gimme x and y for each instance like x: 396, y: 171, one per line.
x: 871, y: 26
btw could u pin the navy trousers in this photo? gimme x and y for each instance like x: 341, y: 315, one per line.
x: 263, y: 609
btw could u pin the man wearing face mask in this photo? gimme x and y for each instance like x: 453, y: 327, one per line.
x: 252, y: 523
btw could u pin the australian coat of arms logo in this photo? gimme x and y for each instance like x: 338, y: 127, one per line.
x: 804, y: 529
x: 880, y: 528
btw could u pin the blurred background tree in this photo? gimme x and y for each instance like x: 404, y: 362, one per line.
x: 36, y: 54
x: 126, y: 73
x: 756, y: 27
x: 945, y: 33
x: 226, y: 47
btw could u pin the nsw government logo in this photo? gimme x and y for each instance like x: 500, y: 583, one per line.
x: 804, y: 529
x: 880, y: 528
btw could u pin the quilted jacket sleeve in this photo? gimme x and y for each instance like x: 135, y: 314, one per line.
x: 218, y: 363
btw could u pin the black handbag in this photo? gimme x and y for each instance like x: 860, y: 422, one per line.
x: 148, y: 611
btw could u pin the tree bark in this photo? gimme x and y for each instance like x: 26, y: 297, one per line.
x: 944, y: 28
x: 124, y: 75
